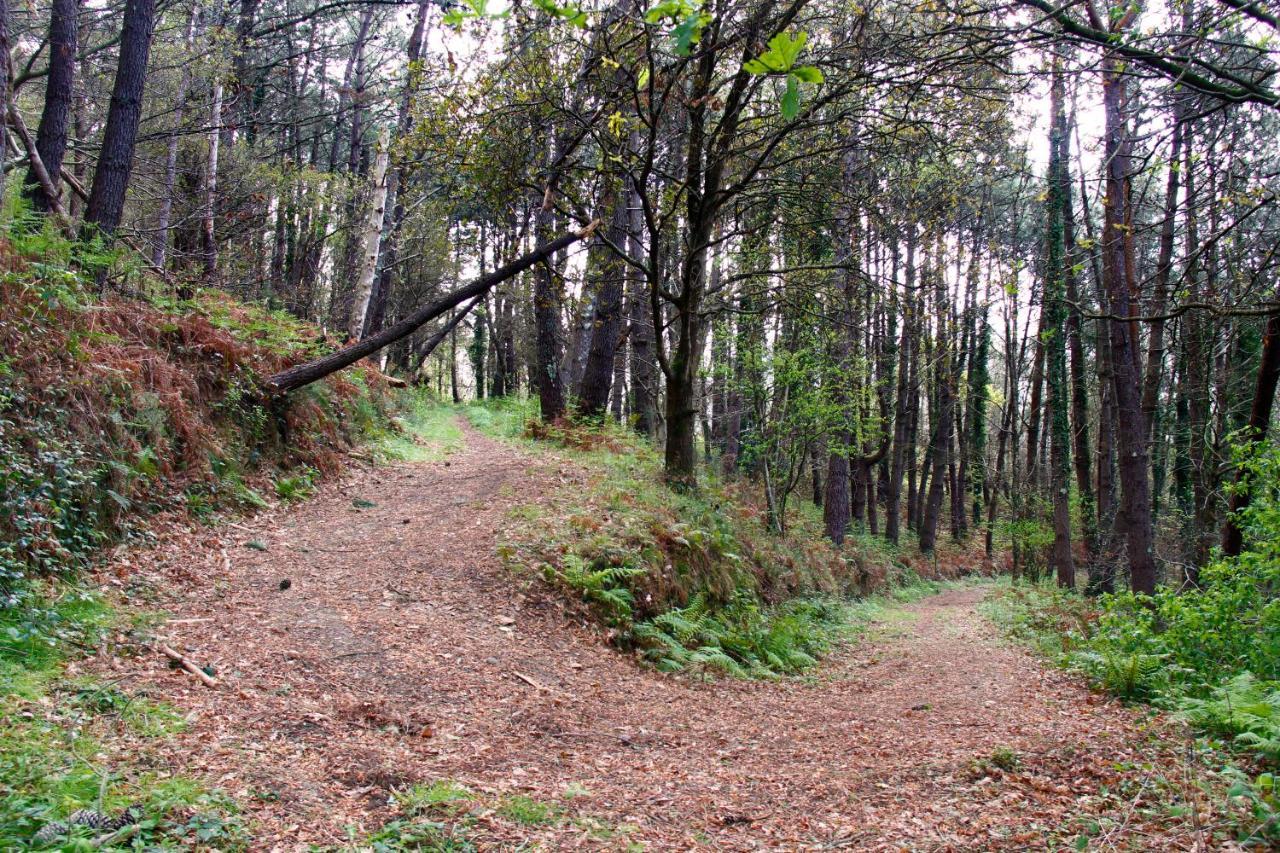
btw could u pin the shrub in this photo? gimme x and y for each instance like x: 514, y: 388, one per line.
x: 1211, y: 653
x: 687, y: 580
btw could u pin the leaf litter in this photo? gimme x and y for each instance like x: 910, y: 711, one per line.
x: 403, y: 653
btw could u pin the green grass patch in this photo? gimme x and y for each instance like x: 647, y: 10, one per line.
x: 425, y: 430
x: 445, y: 815
x: 503, y: 417
x: 443, y: 795
x: 527, y: 811
x: 57, y: 733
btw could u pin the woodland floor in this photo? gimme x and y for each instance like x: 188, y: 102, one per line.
x: 403, y: 652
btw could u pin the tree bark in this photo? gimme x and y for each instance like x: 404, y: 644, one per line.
x: 305, y: 374
x: 208, y: 240
x: 902, y: 415
x: 115, y: 161
x: 940, y: 444
x: 1118, y: 275
x: 1062, y: 562
x: 4, y: 91
x: 51, y: 135
x: 843, y: 494
x: 161, y: 251
x: 371, y: 238
x: 606, y: 320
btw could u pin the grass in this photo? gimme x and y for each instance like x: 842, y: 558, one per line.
x: 424, y: 430
x: 504, y: 417
x: 527, y: 811
x: 59, y: 734
x: 442, y: 796
x: 446, y: 815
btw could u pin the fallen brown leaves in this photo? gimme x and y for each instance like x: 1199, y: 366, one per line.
x: 404, y: 654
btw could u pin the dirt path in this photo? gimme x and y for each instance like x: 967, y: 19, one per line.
x: 402, y: 652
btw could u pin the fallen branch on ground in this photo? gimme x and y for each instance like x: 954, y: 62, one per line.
x: 187, y: 664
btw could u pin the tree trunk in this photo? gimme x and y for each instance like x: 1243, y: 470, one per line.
x: 1079, y: 381
x: 371, y: 238
x: 161, y: 251
x: 4, y: 91
x: 51, y: 135
x: 641, y: 401
x: 606, y: 320
x: 940, y: 443
x: 208, y: 242
x: 902, y: 416
x: 1062, y: 562
x: 115, y: 161
x: 546, y: 313
x: 1118, y: 275
x: 845, y: 495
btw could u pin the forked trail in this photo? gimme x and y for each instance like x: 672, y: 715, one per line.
x: 402, y: 652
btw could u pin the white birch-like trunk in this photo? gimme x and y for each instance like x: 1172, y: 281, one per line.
x: 208, y: 246
x: 372, y: 238
x: 165, y: 218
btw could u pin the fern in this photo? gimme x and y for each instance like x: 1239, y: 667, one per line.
x: 605, y: 586
x: 1131, y: 675
x: 713, y: 657
x: 1245, y: 710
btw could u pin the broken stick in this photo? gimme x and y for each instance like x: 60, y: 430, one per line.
x: 189, y: 665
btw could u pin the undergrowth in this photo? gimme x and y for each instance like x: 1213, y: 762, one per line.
x: 688, y: 580
x: 116, y: 413
x: 115, y: 410
x: 1209, y: 653
x: 57, y: 730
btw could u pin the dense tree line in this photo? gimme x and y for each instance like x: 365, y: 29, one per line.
x: 985, y: 270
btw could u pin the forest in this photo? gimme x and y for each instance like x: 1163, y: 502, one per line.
x: 680, y: 424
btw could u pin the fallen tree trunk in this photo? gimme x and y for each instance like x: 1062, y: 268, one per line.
x: 430, y: 344
x: 304, y: 374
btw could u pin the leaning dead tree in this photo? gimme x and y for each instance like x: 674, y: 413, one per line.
x: 304, y: 374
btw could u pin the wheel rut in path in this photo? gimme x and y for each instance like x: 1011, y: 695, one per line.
x: 403, y: 652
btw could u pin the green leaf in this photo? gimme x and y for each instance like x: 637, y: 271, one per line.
x: 669, y: 9
x: 780, y: 58
x: 807, y: 74
x: 787, y: 47
x: 574, y: 15
x: 642, y: 81
x: 688, y: 31
x: 791, y: 99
